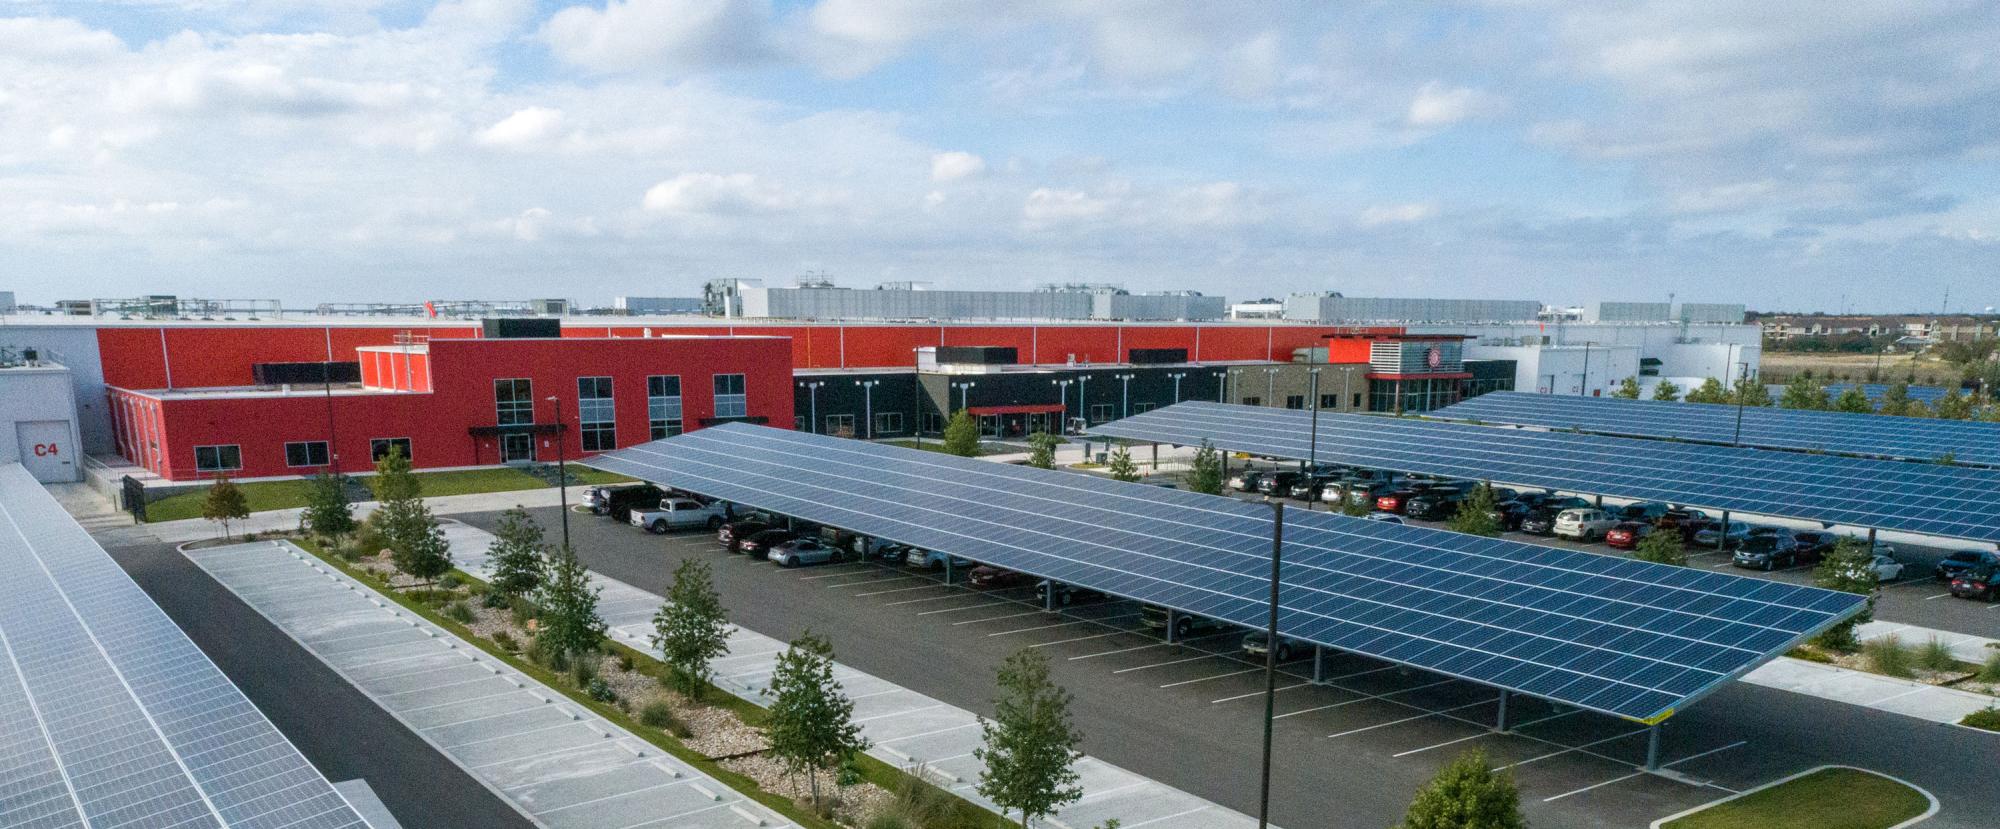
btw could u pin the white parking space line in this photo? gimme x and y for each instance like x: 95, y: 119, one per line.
x: 957, y: 609
x: 1423, y: 716
x: 927, y: 733
x: 1624, y: 777
x: 1217, y: 676
x: 1258, y: 693
x: 1120, y: 650
x: 1487, y: 733
x: 926, y: 599
x: 849, y: 571
x: 1366, y: 697
x: 1540, y: 757
x: 1041, y: 627
x: 864, y: 582
x: 1938, y: 596
x: 998, y: 618
x: 1077, y: 639
x: 1164, y: 664
x: 894, y: 590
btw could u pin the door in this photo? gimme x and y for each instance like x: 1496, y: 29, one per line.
x: 46, y: 450
x: 517, y: 446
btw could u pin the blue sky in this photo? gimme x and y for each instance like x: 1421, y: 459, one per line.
x: 1782, y: 154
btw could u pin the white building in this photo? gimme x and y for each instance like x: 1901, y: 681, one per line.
x: 38, y: 419
x: 1594, y: 358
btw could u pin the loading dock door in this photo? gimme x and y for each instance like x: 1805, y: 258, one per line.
x: 46, y: 450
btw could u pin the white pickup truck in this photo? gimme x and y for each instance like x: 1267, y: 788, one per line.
x: 678, y: 514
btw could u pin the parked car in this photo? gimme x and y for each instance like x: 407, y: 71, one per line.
x: 1715, y: 533
x: 732, y: 533
x: 1155, y: 617
x: 1584, y: 524
x: 1508, y: 514
x: 1385, y: 517
x: 1981, y: 582
x: 1647, y: 511
x: 1887, y: 568
x: 678, y: 514
x: 1438, y: 503
x: 1398, y: 499
x: 1310, y: 487
x: 800, y: 551
x: 761, y: 544
x: 1278, y: 483
x: 888, y: 552
x: 1961, y: 561
x: 1541, y: 521
x: 1066, y: 594
x: 932, y: 560
x: 1626, y: 535
x: 1288, y: 648
x: 1687, y: 522
x: 1364, y: 493
x: 990, y: 577
x: 1813, y: 545
x: 617, y: 500
x: 1246, y: 481
x: 1766, y: 552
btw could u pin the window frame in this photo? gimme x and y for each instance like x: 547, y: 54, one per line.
x: 737, y: 402
x: 377, y: 450
x: 326, y: 454
x: 218, y: 466
x: 597, y: 414
x: 1100, y: 413
x: 658, y: 426
x: 893, y: 418
x: 508, y: 412
x: 846, y: 420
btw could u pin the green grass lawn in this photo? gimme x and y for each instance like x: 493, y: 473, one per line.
x: 1825, y: 799
x: 935, y: 445
x: 270, y: 495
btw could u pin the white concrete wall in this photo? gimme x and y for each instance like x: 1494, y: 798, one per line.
x: 75, y: 347
x: 31, y: 394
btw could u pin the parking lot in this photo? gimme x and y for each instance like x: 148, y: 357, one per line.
x: 1190, y: 714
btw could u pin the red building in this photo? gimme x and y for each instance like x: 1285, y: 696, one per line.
x: 446, y: 401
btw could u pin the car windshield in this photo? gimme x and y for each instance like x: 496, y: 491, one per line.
x: 1760, y: 544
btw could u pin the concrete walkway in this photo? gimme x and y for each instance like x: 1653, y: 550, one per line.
x: 557, y: 762
x: 907, y: 729
x: 1902, y: 696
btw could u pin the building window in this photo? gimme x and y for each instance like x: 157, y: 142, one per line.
x: 1357, y: 401
x: 888, y: 423
x: 379, y: 448
x: 1295, y: 401
x: 513, y: 402
x: 1100, y: 412
x: 729, y: 398
x: 840, y: 425
x: 227, y: 457
x: 1329, y: 401
x: 595, y: 416
x: 933, y: 422
x: 663, y: 404
x: 306, y: 453
x: 1253, y: 400
x: 799, y: 422
x: 1142, y: 408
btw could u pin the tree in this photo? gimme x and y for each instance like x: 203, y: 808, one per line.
x: 1854, y: 401
x: 810, y: 723
x: 225, y: 503
x: 1205, y: 472
x: 1954, y: 406
x: 328, y: 514
x: 401, y: 522
x: 691, y: 628
x: 1710, y: 391
x: 961, y: 435
x: 1849, y: 568
x: 1122, y: 467
x: 569, y: 624
x: 519, y: 554
x: 1805, y: 393
x: 393, y: 479
x: 1467, y: 794
x: 1628, y: 389
x: 1029, y: 747
x: 1665, y: 390
x: 1475, y: 514
x: 1749, y: 392
x: 1896, y: 400
x: 425, y: 553
x: 1042, y: 450
x: 1662, y: 547
x: 1349, y: 506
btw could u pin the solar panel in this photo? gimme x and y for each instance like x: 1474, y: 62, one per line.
x: 1607, y: 634
x: 1875, y: 391
x: 1880, y: 436
x: 109, y: 715
x: 1948, y: 501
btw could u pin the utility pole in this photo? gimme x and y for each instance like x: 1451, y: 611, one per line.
x: 1062, y: 391
x: 1271, y: 660
x: 868, y: 404
x: 812, y: 398
x: 1125, y: 394
x: 562, y: 467
x: 1176, y: 377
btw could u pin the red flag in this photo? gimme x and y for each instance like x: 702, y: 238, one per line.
x: 431, y: 309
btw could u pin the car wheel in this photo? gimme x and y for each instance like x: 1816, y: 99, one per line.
x: 658, y: 528
x: 1284, y: 653
x: 788, y: 561
x: 1770, y: 564
x: 714, y: 522
x: 1182, y: 627
x: 1064, y: 598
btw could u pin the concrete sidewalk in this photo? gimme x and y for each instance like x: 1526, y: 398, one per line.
x: 1902, y: 696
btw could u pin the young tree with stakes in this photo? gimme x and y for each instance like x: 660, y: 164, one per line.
x: 1805, y: 393
x: 519, y: 554
x: 1628, y: 389
x: 1666, y: 391
x: 1710, y: 391
x: 1122, y: 467
x: 393, y: 479
x: 570, y: 625
x: 1205, y: 472
x: 691, y: 628
x: 1853, y: 401
x: 1042, y: 450
x: 1467, y: 794
x: 1029, y: 747
x: 961, y: 435
x: 328, y: 514
x: 423, y: 553
x: 810, y: 723
x: 1475, y: 513
x: 1849, y: 568
x: 225, y: 503
x: 1662, y: 547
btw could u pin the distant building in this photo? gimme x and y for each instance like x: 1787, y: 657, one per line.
x: 1920, y: 328
x: 1694, y: 312
x: 820, y: 300
x: 1333, y: 307
x: 640, y: 306
x: 1258, y: 309
x: 6, y: 302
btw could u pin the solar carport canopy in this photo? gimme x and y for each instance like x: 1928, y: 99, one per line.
x: 1607, y: 634
x: 109, y: 716
x: 1908, y: 438
x: 1949, y: 501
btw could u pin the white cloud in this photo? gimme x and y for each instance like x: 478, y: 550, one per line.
x: 55, y: 39
x: 671, y: 34
x: 1437, y: 105
x: 956, y: 165
x: 1395, y: 214
x: 709, y: 193
x: 525, y: 128
x: 1048, y: 206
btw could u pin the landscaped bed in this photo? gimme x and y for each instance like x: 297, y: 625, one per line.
x: 1830, y: 798
x: 262, y: 496
x: 716, y: 733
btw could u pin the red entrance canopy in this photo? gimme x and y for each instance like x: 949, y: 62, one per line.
x: 1028, y: 409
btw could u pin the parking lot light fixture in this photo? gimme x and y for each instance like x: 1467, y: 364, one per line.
x: 1176, y: 377
x: 868, y: 405
x: 562, y: 468
x: 812, y: 398
x: 1271, y: 659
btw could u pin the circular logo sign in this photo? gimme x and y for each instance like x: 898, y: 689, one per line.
x: 1435, y: 358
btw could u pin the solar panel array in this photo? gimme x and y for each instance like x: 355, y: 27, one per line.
x: 1607, y: 634
x: 109, y: 716
x: 1925, y: 394
x: 1880, y: 436
x: 1949, y: 501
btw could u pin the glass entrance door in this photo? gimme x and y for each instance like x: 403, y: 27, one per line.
x: 518, y: 446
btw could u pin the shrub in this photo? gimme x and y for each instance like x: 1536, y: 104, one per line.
x: 1990, y: 672
x: 459, y: 612
x: 583, y: 669
x: 625, y: 662
x: 1810, y: 655
x: 521, y: 609
x: 658, y: 714
x: 597, y: 688
x: 1987, y: 718
x: 917, y: 802
x: 506, y: 641
x: 493, y: 599
x: 1889, y: 656
x: 1935, y: 655
x: 889, y: 820
x: 451, y: 581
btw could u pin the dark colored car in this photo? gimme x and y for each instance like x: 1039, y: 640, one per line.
x: 1364, y: 493
x: 988, y: 576
x: 1543, y: 520
x: 1768, y: 551
x: 618, y: 501
x: 1647, y: 511
x: 759, y: 545
x: 1961, y: 561
x: 1398, y: 500
x: 1437, y: 503
x: 1626, y: 534
x: 1813, y: 545
x: 1278, y: 483
x: 1509, y: 514
x: 890, y: 552
x: 1065, y: 594
x: 1309, y: 488
x: 1288, y: 649
x: 1981, y: 582
x: 1155, y: 616
x: 1687, y: 522
x: 732, y: 534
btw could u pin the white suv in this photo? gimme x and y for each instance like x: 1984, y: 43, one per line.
x: 1584, y: 524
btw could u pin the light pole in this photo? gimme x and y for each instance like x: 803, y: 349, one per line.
x: 812, y: 396
x: 1271, y: 660
x: 1222, y: 383
x: 562, y: 467
x: 1083, y: 398
x: 1742, y: 386
x: 1312, y: 399
x: 964, y: 391
x: 1125, y: 394
x: 1062, y: 393
x: 1176, y: 377
x: 1583, y: 388
x: 1271, y: 385
x: 868, y: 404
